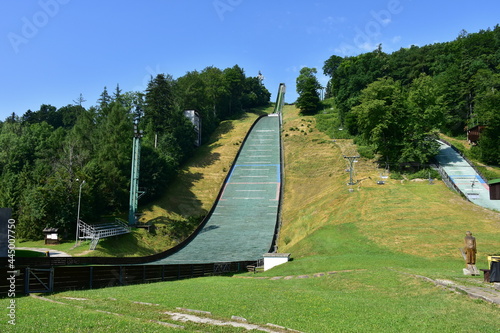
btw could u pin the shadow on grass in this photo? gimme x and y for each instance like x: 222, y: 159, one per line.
x: 176, y: 230
x: 121, y: 246
x: 29, y: 254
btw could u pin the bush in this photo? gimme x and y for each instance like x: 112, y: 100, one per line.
x: 396, y: 175
x: 424, y: 174
x: 366, y: 152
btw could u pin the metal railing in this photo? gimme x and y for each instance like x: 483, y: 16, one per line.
x: 97, y: 231
x: 447, y: 180
x: 466, y: 159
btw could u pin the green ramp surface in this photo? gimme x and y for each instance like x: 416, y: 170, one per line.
x: 242, y: 225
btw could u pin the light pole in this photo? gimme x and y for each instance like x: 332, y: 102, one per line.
x: 78, y: 213
x: 135, y: 193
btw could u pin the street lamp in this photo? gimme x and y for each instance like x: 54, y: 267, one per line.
x: 78, y: 213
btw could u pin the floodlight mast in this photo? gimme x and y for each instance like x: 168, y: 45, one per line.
x: 351, y: 160
x: 134, y: 175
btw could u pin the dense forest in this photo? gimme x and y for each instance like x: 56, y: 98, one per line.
x: 46, y: 154
x: 395, y: 104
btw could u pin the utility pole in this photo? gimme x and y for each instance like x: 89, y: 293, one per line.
x: 134, y: 175
x: 351, y: 160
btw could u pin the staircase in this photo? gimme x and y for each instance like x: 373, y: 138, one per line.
x: 95, y: 232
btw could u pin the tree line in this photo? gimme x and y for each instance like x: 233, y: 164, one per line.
x: 396, y: 103
x: 46, y: 154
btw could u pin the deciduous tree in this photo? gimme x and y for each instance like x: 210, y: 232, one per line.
x: 307, y: 87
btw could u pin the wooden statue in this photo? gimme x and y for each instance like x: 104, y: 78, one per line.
x: 469, y: 253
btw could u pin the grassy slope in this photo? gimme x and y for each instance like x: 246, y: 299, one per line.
x: 415, y: 218
x: 378, y: 232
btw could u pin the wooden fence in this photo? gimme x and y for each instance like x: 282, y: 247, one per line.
x: 61, y: 278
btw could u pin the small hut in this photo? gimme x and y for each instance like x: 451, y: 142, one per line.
x: 494, y: 189
x: 51, y: 235
x: 474, y: 133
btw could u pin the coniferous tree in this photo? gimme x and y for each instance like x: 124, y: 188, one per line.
x: 159, y: 109
x: 104, y: 99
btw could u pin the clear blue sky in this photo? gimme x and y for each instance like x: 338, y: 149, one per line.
x: 53, y: 50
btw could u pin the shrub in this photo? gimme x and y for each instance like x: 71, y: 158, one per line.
x: 366, y: 152
x: 396, y: 175
x: 424, y: 174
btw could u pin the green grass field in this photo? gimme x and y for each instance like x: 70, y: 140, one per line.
x: 373, y: 240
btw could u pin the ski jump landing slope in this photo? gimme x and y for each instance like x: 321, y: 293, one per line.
x: 463, y: 175
x: 243, y: 223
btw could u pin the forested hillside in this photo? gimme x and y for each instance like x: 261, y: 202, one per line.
x: 46, y: 154
x: 396, y: 103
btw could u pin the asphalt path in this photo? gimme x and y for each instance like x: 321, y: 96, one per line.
x: 52, y: 252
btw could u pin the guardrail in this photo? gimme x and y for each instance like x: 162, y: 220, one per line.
x: 280, y: 101
x: 466, y: 159
x: 447, y: 180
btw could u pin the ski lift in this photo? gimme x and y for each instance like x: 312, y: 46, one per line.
x: 382, y: 177
x: 386, y: 171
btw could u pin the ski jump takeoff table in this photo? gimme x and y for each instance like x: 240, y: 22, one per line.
x: 242, y: 225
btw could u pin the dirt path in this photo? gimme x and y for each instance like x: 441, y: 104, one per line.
x: 183, y: 315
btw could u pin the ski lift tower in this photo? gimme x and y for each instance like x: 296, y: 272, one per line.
x: 352, y: 160
x: 135, y: 193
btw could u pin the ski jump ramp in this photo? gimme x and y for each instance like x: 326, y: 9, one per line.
x: 465, y: 177
x: 242, y: 225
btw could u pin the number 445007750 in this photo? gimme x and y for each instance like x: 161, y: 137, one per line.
x: 11, y: 234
